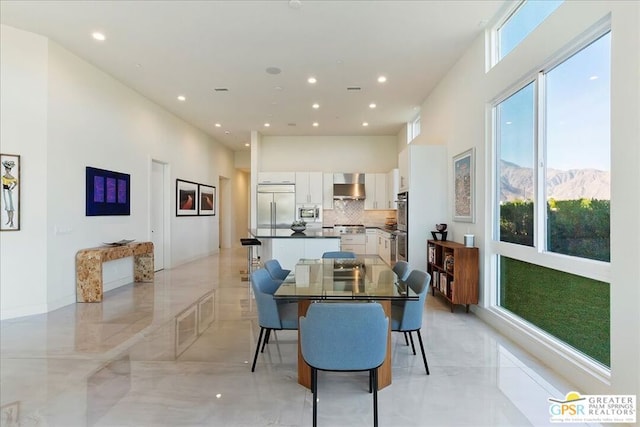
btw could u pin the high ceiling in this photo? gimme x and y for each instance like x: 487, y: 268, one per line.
x: 164, y: 49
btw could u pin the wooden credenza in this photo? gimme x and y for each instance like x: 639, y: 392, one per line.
x: 89, y: 267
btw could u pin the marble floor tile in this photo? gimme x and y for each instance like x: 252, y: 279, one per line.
x: 123, y: 362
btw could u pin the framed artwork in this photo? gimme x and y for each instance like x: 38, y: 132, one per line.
x: 10, y: 202
x: 464, y: 186
x: 206, y: 200
x: 107, y: 192
x: 186, y: 198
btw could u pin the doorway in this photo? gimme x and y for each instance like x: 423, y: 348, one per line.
x: 159, y: 213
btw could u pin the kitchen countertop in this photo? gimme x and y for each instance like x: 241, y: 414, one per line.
x: 285, y: 233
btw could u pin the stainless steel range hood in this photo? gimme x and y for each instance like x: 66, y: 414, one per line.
x: 348, y: 186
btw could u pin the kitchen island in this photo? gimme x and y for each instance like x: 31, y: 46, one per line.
x: 289, y: 247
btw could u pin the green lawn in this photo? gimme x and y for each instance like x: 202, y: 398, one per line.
x: 572, y: 308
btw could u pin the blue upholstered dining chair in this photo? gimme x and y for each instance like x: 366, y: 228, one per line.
x: 344, y: 337
x: 407, y: 318
x: 271, y: 315
x: 339, y: 254
x: 275, y: 270
x: 401, y: 268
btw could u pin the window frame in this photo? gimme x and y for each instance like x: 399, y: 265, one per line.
x: 537, y: 254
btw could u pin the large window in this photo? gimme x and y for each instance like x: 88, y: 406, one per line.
x: 524, y: 19
x: 552, y: 192
x: 516, y: 163
x: 578, y: 153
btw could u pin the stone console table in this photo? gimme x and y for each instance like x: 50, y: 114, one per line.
x: 89, y: 267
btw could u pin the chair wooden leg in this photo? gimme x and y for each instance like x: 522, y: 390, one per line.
x: 374, y: 373
x: 255, y: 357
x: 413, y: 347
x: 424, y: 357
x: 314, y: 381
x: 266, y: 340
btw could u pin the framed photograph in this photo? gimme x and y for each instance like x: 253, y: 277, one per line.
x: 464, y: 186
x: 10, y: 201
x: 186, y: 198
x: 207, y: 200
x: 107, y: 192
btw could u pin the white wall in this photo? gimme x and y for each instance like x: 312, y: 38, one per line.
x: 328, y: 153
x: 454, y: 114
x: 23, y: 131
x: 90, y: 119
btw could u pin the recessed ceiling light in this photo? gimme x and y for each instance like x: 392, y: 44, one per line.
x: 218, y: 125
x: 372, y: 105
x: 316, y: 124
x: 312, y: 80
x: 278, y: 88
x: 382, y: 79
x: 365, y: 124
x: 273, y: 70
x: 267, y: 125
x: 316, y: 106
x: 98, y: 36
x: 246, y: 144
x: 227, y: 132
x: 181, y: 98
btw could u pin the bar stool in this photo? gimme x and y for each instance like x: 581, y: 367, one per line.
x: 250, y: 243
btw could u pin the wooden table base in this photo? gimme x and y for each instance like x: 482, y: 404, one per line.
x: 384, y: 371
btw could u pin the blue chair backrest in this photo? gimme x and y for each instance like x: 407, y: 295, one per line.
x: 339, y: 254
x: 344, y: 336
x: 263, y: 288
x: 401, y: 268
x: 418, y: 280
x: 275, y: 269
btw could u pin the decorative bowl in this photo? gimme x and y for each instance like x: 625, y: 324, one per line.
x: 298, y: 228
x: 441, y: 227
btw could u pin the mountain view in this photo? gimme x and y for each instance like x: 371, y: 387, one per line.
x: 516, y: 183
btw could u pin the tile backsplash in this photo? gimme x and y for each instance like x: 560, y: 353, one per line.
x: 352, y: 212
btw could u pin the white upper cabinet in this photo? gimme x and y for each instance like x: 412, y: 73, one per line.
x: 276, y: 177
x: 309, y: 188
x: 327, y: 200
x: 403, y: 169
x: 375, y: 186
x: 393, y: 188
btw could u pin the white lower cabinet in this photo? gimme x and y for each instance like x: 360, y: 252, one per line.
x: 371, y: 241
x: 355, y: 243
x: 384, y: 246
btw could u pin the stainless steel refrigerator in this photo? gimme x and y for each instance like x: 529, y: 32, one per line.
x: 276, y: 205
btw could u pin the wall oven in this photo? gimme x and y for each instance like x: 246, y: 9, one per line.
x: 403, y: 209
x: 402, y: 244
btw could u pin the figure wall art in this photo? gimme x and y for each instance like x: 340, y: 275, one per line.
x: 10, y: 202
x: 107, y: 192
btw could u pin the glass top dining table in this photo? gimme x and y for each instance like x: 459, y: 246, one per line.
x: 362, y: 278
x: 365, y: 278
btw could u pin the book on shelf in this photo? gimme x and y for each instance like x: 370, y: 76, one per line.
x: 443, y: 283
x: 435, y: 279
x: 431, y: 254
